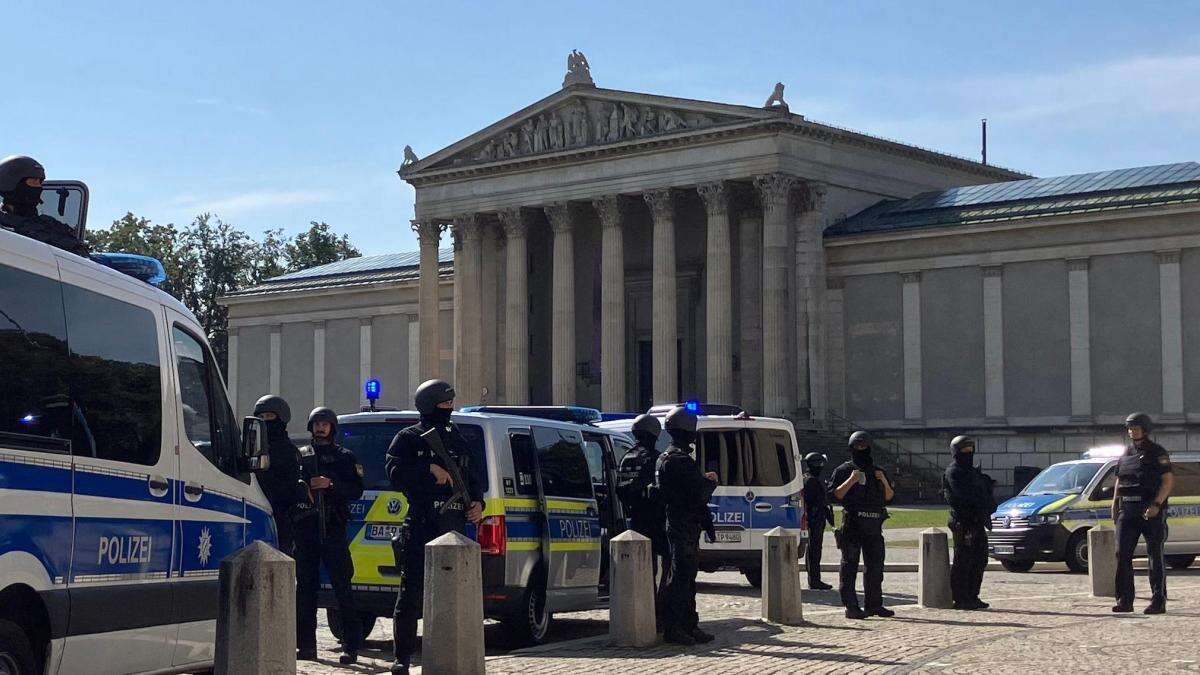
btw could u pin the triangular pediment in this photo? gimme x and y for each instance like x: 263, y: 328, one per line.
x: 580, y: 118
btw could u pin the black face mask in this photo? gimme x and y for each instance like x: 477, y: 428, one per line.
x: 964, y: 459
x: 276, y: 430
x: 24, y: 199
x: 646, y: 440
x: 685, y: 440
x: 861, y: 458
x: 439, y: 417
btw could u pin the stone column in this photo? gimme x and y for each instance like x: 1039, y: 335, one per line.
x: 563, y: 305
x: 811, y: 366
x: 429, y: 234
x: 489, y: 312
x: 664, y: 296
x: 775, y: 189
x: 1170, y: 316
x: 457, y: 345
x: 1081, y: 341
x: 993, y: 344
x: 516, y: 309
x: 231, y: 369
x: 719, y: 293
x: 364, y: 355
x: 835, y: 294
x: 414, y: 359
x: 275, y: 355
x: 318, y: 363
x: 612, y: 303
x: 912, y: 347
x: 750, y: 268
x: 469, y: 380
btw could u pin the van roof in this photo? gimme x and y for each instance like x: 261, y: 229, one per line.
x: 411, y: 415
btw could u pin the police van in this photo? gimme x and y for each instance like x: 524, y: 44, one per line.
x: 1049, y: 519
x: 549, y: 479
x: 757, y: 463
x: 124, y: 479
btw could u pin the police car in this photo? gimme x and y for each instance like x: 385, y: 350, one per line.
x: 124, y: 479
x: 757, y: 463
x: 1049, y: 519
x: 549, y: 478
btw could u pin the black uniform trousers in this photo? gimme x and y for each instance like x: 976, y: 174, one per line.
x: 660, y: 557
x: 679, y: 598
x: 411, y: 598
x: 865, y: 539
x: 812, y: 555
x: 335, y: 555
x: 1129, y: 528
x: 285, y: 530
x: 970, y: 560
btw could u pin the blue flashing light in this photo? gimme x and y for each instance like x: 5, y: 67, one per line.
x: 372, y: 388
x: 29, y: 419
x: 692, y: 407
x: 140, y: 267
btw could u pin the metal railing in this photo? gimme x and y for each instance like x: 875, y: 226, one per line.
x: 905, y: 464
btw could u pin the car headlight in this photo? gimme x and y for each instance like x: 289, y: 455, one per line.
x: 1048, y: 519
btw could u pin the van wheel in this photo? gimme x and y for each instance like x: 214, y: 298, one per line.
x: 753, y: 575
x: 1077, y: 552
x: 16, y: 654
x: 531, y: 626
x: 366, y: 620
x: 1180, y: 562
x: 1017, y: 565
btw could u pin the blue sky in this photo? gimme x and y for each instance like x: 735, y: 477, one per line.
x: 274, y: 114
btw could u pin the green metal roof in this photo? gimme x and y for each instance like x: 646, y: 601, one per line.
x: 1080, y: 193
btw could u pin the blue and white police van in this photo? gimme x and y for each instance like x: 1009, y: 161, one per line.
x: 124, y: 478
x: 757, y: 463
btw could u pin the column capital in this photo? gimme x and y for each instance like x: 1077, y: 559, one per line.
x: 716, y: 197
x: 774, y: 188
x: 661, y: 202
x: 468, y: 227
x: 428, y: 231
x: 366, y: 321
x: 513, y: 222
x: 813, y: 196
x: 1167, y: 257
x: 610, y: 208
x: 318, y: 324
x: 993, y: 270
x: 835, y: 283
x: 559, y: 215
x: 1077, y: 264
x: 913, y: 277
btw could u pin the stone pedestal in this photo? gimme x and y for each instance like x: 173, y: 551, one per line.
x: 631, y: 580
x: 933, y: 565
x: 452, y: 641
x: 1102, y: 561
x: 256, y: 618
x: 781, y: 578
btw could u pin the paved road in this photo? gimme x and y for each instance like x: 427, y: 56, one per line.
x: 1043, y: 620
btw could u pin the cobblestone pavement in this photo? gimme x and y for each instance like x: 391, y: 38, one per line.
x: 1040, y: 621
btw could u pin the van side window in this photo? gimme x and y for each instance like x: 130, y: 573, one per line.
x: 524, y: 456
x: 621, y: 447
x: 1104, y: 490
x: 723, y: 452
x: 593, y: 450
x: 774, y: 460
x: 1187, y: 479
x: 35, y: 404
x: 116, y: 383
x: 207, y: 421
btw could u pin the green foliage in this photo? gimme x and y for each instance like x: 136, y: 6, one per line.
x: 318, y: 246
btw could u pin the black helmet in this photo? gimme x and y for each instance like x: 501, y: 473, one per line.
x: 1139, y: 419
x: 961, y: 442
x: 646, y: 424
x: 815, y: 460
x: 323, y: 415
x: 275, y: 404
x: 17, y: 168
x: 430, y: 394
x: 680, y: 419
x: 859, y: 436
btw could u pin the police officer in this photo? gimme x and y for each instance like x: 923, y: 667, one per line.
x: 21, y: 190
x: 421, y: 462
x: 685, y: 492
x: 335, y: 480
x: 968, y: 491
x: 1144, y: 482
x: 636, y: 489
x: 864, y: 491
x: 281, y: 481
x: 817, y: 511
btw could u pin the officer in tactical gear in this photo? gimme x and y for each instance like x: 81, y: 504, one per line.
x: 335, y: 481
x: 817, y: 511
x: 636, y: 488
x: 430, y: 463
x: 968, y: 491
x: 864, y: 491
x: 1144, y: 482
x: 685, y: 491
x: 282, y: 481
x: 21, y: 190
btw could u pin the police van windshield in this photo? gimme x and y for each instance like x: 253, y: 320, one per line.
x: 1063, y: 479
x: 369, y: 442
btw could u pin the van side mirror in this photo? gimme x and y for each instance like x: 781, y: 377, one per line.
x: 254, y: 444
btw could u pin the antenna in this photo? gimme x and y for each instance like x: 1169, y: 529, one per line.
x: 984, y: 140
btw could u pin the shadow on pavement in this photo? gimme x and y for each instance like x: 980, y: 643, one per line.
x: 951, y: 622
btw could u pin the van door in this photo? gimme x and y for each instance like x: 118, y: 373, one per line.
x: 570, y: 539
x: 769, y: 462
x: 604, y: 485
x: 125, y: 473
x: 211, y: 491
x: 721, y: 451
x: 1183, y: 513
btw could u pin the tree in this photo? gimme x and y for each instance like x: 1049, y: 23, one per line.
x: 226, y: 257
x: 318, y: 246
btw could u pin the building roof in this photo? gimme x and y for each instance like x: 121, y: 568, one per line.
x: 1013, y: 200
x: 361, y: 271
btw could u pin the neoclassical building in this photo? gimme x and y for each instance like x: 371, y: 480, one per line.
x: 619, y: 249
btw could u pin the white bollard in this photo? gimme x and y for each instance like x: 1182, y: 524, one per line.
x: 631, y: 586
x: 933, y: 564
x: 256, y: 620
x: 1102, y: 561
x: 452, y: 639
x: 781, y: 578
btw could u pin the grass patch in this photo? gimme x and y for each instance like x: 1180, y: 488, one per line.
x: 901, y: 517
